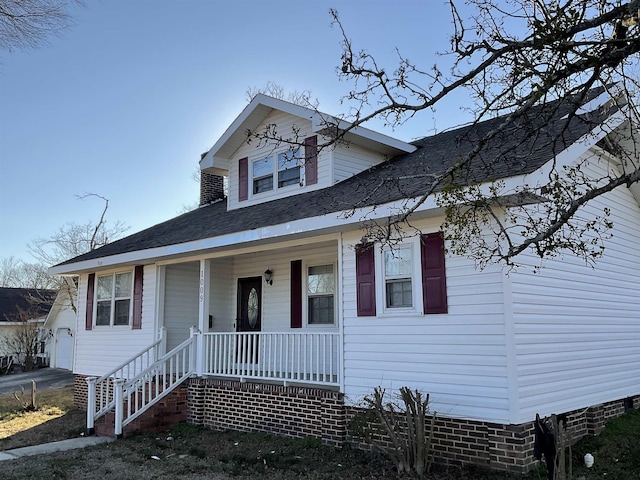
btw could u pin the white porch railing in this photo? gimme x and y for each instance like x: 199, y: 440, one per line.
x: 100, y: 393
x: 136, y: 385
x: 290, y: 357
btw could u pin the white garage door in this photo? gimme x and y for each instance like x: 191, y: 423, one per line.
x: 64, y: 352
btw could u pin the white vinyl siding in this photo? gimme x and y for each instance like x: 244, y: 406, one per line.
x: 349, y: 160
x: 181, y: 288
x: 276, y: 316
x: 577, y: 328
x: 102, y: 349
x: 222, y: 305
x: 459, y: 358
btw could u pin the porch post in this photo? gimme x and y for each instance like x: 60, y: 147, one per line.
x: 91, y: 404
x: 203, y: 312
x: 162, y: 334
x: 118, y: 395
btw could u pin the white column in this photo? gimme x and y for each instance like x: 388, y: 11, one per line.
x: 91, y: 403
x: 203, y: 312
x: 118, y: 396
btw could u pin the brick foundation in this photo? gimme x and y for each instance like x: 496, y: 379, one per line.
x: 258, y: 407
x: 314, y: 412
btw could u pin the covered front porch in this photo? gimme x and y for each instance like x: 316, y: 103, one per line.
x: 270, y: 314
x: 266, y: 316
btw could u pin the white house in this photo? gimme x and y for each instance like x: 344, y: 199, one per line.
x: 268, y: 301
x: 61, y: 326
x: 22, y: 314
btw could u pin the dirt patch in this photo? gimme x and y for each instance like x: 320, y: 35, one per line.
x: 55, y: 419
x: 192, y: 453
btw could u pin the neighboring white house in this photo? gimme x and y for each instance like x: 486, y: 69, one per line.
x: 61, y: 326
x: 22, y: 314
x: 296, y: 318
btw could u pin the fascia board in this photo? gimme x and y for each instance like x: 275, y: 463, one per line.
x: 318, y: 120
x: 331, y: 221
x: 568, y: 156
x: 321, y: 121
x: 259, y: 100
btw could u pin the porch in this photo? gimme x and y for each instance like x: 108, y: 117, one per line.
x: 285, y: 358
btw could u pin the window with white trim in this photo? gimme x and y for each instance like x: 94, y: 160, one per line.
x: 398, y: 277
x: 289, y: 163
x: 321, y: 287
x: 262, y: 175
x: 268, y: 175
x: 113, y: 299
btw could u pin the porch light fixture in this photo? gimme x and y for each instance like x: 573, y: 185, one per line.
x: 268, y: 276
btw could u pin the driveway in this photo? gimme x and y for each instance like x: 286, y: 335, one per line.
x: 44, y: 377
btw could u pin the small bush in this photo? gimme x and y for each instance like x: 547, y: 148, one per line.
x: 398, y: 428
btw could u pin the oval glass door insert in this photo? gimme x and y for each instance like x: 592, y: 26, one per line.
x: 252, y: 308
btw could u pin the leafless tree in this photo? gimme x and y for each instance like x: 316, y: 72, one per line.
x: 17, y: 273
x: 71, y: 240
x: 527, y: 65
x: 26, y: 24
x: 275, y: 90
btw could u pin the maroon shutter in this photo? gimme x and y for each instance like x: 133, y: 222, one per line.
x: 243, y: 179
x: 88, y: 324
x: 137, y: 297
x: 434, y: 281
x: 296, y: 294
x: 311, y: 160
x: 365, y: 280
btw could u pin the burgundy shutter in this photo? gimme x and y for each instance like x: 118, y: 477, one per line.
x: 311, y: 160
x: 88, y: 325
x: 243, y: 179
x: 137, y: 297
x: 365, y: 280
x: 434, y: 281
x: 296, y: 294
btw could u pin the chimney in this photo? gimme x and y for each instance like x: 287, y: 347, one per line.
x: 211, y: 188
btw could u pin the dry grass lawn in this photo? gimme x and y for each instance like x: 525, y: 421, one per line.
x: 55, y: 419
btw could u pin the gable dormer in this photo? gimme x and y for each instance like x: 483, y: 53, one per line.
x: 260, y: 171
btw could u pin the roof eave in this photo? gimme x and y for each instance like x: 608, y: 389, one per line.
x: 261, y: 106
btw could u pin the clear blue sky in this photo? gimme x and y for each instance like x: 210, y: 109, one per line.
x: 126, y: 100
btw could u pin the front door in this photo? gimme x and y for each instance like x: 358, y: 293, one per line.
x: 249, y: 318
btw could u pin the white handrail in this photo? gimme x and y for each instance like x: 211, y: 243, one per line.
x: 100, y: 394
x: 149, y: 386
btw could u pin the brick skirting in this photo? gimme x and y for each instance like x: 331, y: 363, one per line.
x: 300, y: 412
x: 259, y: 407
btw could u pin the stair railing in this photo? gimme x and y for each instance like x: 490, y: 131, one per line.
x: 100, y: 391
x: 135, y: 396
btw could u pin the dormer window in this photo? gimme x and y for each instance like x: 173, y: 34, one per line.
x: 263, y: 175
x: 289, y: 166
x: 285, y: 169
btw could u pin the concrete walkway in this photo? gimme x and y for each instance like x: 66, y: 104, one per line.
x: 61, y: 446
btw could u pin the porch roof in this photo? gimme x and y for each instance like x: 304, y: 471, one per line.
x: 512, y: 152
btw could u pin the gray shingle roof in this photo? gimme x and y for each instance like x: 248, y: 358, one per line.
x: 35, y: 302
x: 522, y: 148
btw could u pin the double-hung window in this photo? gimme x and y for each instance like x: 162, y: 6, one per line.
x: 289, y: 163
x: 113, y: 302
x: 398, y: 277
x: 321, y: 287
x: 263, y: 175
